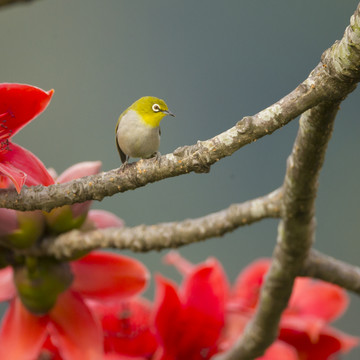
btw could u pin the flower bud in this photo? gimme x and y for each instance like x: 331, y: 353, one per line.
x: 20, y: 229
x: 39, y: 282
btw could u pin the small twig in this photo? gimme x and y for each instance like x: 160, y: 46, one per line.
x: 329, y: 269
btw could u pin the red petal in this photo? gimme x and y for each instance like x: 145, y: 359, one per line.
x: 205, y: 293
x: 25, y: 161
x: 168, y: 314
x: 4, y: 181
x: 7, y: 287
x: 280, y: 351
x: 127, y: 326
x: 248, y: 284
x: 8, y: 221
x: 329, y: 342
x: 101, y: 275
x: 318, y: 299
x: 115, y: 356
x: 21, y: 333
x: 74, y: 329
x: 21, y: 103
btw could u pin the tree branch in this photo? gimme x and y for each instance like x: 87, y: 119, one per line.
x: 328, y: 269
x: 296, y: 231
x: 334, y: 78
x: 144, y: 238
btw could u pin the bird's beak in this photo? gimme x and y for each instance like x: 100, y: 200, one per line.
x: 167, y: 112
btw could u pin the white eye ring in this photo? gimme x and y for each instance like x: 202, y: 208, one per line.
x: 156, y: 108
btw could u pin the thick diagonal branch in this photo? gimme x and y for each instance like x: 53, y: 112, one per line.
x: 335, y: 77
x: 296, y: 230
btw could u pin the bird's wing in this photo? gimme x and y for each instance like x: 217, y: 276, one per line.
x: 123, y: 156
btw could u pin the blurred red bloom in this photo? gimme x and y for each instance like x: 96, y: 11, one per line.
x: 71, y: 324
x: 189, y: 319
x: 19, y: 104
x: 305, y: 323
x: 127, y: 327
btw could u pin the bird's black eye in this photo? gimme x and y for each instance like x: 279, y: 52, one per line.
x: 156, y: 108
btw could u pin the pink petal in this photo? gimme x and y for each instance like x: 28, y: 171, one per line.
x: 21, y: 333
x: 8, y: 221
x: 74, y: 329
x: 7, y: 287
x: 318, y: 299
x: 103, y: 219
x: 183, y: 266
x: 23, y: 161
x: 103, y: 275
x: 79, y: 170
x: 19, y: 104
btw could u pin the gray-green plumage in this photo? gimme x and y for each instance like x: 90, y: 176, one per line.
x: 135, y: 138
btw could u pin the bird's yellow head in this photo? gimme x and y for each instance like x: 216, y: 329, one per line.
x: 151, y: 110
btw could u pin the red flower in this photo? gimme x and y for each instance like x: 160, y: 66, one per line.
x: 71, y: 324
x: 127, y: 327
x: 189, y: 319
x: 19, y: 104
x: 304, y: 324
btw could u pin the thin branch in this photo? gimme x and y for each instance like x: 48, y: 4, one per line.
x: 334, y: 78
x: 165, y: 235
x: 329, y: 269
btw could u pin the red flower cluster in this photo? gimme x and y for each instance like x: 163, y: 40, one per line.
x: 204, y: 316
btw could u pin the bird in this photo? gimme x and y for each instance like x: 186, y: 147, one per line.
x: 138, y: 128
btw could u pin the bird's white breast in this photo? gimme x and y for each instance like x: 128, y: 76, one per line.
x: 137, y: 139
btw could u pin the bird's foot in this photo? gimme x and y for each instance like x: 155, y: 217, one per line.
x: 157, y: 155
x: 123, y: 165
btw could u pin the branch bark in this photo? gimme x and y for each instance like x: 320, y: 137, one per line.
x: 296, y: 231
x: 327, y: 268
x: 162, y: 236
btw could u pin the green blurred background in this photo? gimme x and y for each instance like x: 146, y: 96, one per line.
x: 213, y: 62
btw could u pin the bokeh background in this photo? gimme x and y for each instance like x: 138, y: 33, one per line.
x: 213, y: 62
